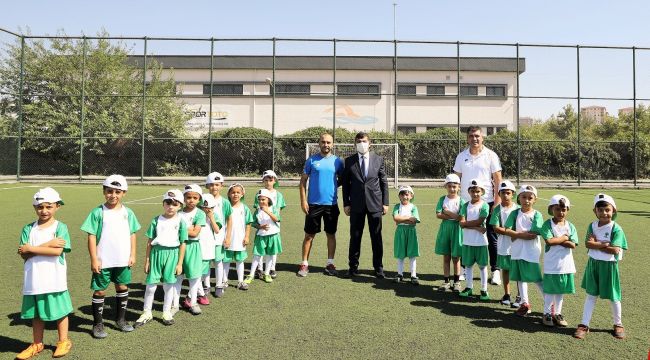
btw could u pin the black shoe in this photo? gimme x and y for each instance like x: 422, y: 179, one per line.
x: 415, y: 281
x: 273, y: 274
x: 379, y: 274
x: 352, y: 273
x: 98, y: 331
x: 398, y: 279
x: 124, y: 326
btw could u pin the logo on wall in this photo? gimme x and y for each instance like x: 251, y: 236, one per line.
x: 200, y: 118
x: 346, y: 115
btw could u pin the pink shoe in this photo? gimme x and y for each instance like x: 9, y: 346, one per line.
x: 203, y: 300
x: 186, y: 303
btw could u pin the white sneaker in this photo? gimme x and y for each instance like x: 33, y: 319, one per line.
x: 496, y: 277
x: 143, y: 319
x: 461, y: 277
x: 173, y: 310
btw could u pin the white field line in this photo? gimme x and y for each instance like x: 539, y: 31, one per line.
x: 138, y: 200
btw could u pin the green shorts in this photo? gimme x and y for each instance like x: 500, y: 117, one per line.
x: 162, y: 265
x: 602, y: 279
x: 267, y: 245
x: 449, y: 240
x: 503, y: 262
x: 193, y: 261
x: 522, y: 270
x: 559, y: 284
x: 236, y: 256
x: 47, y: 307
x: 406, y: 244
x: 219, y: 253
x: 475, y: 255
x: 206, y: 267
x: 117, y: 275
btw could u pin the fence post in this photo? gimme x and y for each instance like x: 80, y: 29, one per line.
x: 210, y: 118
x: 334, y: 96
x: 634, y: 119
x: 144, y: 109
x: 458, y: 95
x: 273, y: 111
x: 395, y: 91
x: 20, y: 106
x: 578, y: 122
x: 518, y: 123
x: 83, y: 109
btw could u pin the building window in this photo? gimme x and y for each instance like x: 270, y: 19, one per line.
x: 358, y: 89
x: 292, y: 89
x: 409, y: 90
x: 435, y: 90
x: 495, y: 91
x: 489, y: 130
x: 224, y: 89
x: 466, y: 90
x: 406, y: 129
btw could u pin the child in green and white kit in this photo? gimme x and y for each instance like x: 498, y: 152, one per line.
x: 43, y: 245
x: 406, y: 243
x: 561, y: 237
x: 238, y: 234
x: 271, y: 183
x: 267, y: 239
x: 167, y: 235
x: 111, y: 229
x: 208, y: 242
x: 606, y: 241
x: 222, y: 210
x: 449, y: 241
x: 475, y: 243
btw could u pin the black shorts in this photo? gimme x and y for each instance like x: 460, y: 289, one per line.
x: 329, y: 214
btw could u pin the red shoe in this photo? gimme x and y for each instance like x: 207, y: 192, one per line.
x: 303, y: 270
x: 523, y: 310
x: 187, y: 304
x: 203, y: 300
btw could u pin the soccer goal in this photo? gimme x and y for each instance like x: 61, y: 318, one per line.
x: 390, y: 153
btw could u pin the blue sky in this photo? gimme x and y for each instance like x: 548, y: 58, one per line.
x: 550, y: 72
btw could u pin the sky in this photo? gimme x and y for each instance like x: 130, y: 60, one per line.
x: 549, y: 72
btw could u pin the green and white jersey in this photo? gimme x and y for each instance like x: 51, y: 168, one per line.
x: 409, y: 210
x: 207, y: 238
x: 262, y: 218
x: 528, y: 250
x: 277, y: 200
x: 611, y: 233
x: 45, y: 274
x: 452, y: 205
x: 222, y: 210
x: 195, y: 217
x: 167, y: 232
x: 557, y: 258
x: 113, y: 229
x: 473, y: 212
x: 499, y: 218
x: 241, y: 217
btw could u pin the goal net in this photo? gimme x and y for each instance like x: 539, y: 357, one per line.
x: 390, y: 153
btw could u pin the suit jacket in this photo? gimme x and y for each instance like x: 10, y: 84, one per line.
x: 370, y: 193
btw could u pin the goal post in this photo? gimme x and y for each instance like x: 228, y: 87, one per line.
x: 390, y: 153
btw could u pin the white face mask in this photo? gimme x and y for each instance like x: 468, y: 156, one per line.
x: 362, y: 147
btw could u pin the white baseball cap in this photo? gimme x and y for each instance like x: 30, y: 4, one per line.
x: 476, y: 183
x: 192, y: 188
x: 116, y: 182
x: 271, y: 173
x: 452, y: 178
x: 555, y: 200
x: 174, y: 194
x: 214, y: 177
x: 243, y: 189
x: 403, y: 188
x: 507, y: 185
x: 608, y: 199
x: 208, y: 201
x: 47, y: 195
x: 526, y: 189
x: 265, y: 193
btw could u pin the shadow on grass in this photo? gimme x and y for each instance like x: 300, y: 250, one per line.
x: 645, y: 214
x: 75, y: 323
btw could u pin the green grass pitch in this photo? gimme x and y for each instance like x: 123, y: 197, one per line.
x: 328, y: 317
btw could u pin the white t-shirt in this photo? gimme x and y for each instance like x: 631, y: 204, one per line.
x: 528, y: 250
x: 504, y: 242
x: 481, y: 167
x: 188, y: 218
x: 603, y: 234
x: 114, y: 247
x: 241, y: 216
x: 473, y: 237
x: 264, y: 219
x: 44, y: 274
x: 167, y: 232
x: 221, y: 235
x: 559, y: 259
x: 207, y: 240
x: 452, y: 205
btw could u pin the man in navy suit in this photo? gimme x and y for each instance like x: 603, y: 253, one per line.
x: 365, y: 194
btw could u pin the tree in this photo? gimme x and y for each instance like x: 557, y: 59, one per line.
x: 55, y: 73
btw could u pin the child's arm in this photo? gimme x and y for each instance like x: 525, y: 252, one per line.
x: 181, y: 256
x: 472, y: 223
x: 147, y: 264
x: 27, y: 251
x: 133, y: 250
x: 193, y: 231
x: 499, y: 230
x: 268, y: 210
x: 557, y: 240
x: 95, y: 264
x: 248, y: 233
x: 226, y: 241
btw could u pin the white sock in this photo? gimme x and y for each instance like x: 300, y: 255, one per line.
x: 200, y: 291
x: 484, y: 277
x: 413, y: 267
x: 177, y: 290
x: 219, y: 274
x: 400, y: 266
x: 469, y: 277
x: 329, y: 261
x: 269, y: 265
x: 195, y: 285
x: 275, y: 260
x: 548, y: 303
x: 226, y: 270
x: 523, y: 291
x: 206, y: 281
x: 169, y: 297
x: 254, y: 263
x: 590, y: 304
x: 304, y: 262
x: 149, y: 292
x: 616, y: 313
x: 260, y: 267
x: 240, y: 271
x: 559, y: 301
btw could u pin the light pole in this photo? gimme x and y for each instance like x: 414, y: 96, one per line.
x: 271, y: 84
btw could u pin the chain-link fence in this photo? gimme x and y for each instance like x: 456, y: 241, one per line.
x: 77, y: 107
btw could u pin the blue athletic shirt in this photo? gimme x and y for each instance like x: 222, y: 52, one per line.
x: 322, y: 173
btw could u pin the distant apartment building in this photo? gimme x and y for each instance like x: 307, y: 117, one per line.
x: 526, y: 121
x: 626, y: 111
x: 595, y: 113
x: 427, y: 91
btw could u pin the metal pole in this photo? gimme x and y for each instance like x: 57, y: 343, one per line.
x: 20, y: 106
x: 395, y: 90
x: 458, y: 95
x: 83, y: 110
x: 578, y: 122
x: 634, y: 141
x: 210, y: 118
x: 273, y: 112
x: 518, y: 123
x: 144, y: 109
x: 334, y: 98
